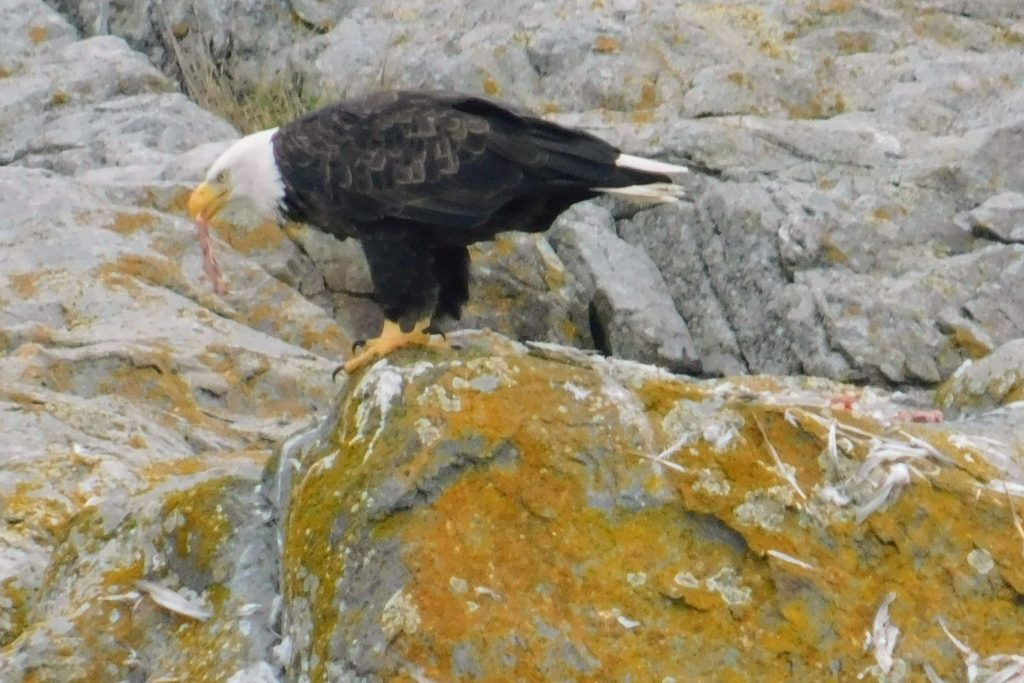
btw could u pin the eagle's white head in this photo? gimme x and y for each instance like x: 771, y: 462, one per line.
x: 245, y: 172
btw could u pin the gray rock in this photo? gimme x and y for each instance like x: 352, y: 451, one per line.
x: 29, y: 28
x: 991, y: 167
x: 631, y: 305
x: 116, y: 355
x: 520, y: 287
x: 205, y: 34
x: 95, y: 107
x: 321, y: 14
x: 737, y: 224
x: 998, y: 12
x: 766, y: 89
x: 1001, y: 217
x: 994, y: 380
x: 687, y: 283
x: 111, y: 272
x: 918, y: 312
x: 72, y: 75
x: 139, y: 135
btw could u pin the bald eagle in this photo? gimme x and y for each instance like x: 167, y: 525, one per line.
x: 416, y: 177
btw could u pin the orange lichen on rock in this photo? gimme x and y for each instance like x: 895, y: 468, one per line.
x: 27, y: 284
x: 198, y: 524
x: 529, y: 536
x: 128, y: 223
x: 607, y: 44
x: 263, y: 237
x: 180, y: 534
x: 324, y: 339
x: 129, y: 270
x: 492, y: 87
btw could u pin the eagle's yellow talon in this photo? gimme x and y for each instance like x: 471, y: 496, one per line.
x: 391, y: 339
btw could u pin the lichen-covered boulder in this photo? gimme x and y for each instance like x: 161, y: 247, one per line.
x: 507, y: 512
x: 176, y: 581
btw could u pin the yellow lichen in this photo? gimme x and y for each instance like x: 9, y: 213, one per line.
x: 965, y: 338
x: 607, y: 44
x: 128, y: 223
x: 848, y: 43
x: 738, y: 78
x: 265, y: 236
x: 127, y: 271
x: 203, y: 525
x: 26, y: 285
x: 325, y: 339
x: 832, y: 252
x: 648, y: 96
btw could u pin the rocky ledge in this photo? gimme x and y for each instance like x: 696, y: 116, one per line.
x: 510, y: 512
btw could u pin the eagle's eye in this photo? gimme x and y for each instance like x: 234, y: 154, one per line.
x: 221, y: 178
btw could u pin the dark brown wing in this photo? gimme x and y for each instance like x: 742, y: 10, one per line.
x: 444, y: 161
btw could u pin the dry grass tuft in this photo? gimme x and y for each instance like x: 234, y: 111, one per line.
x: 213, y: 85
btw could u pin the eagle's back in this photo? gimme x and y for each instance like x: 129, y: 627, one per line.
x: 461, y: 167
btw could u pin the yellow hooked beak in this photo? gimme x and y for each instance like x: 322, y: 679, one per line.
x: 207, y: 200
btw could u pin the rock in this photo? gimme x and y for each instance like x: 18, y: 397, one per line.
x: 631, y: 308
x: 194, y: 532
x: 120, y: 373
x: 520, y: 287
x: 96, y: 109
x: 687, y: 283
x: 995, y: 380
x: 205, y: 35
x: 29, y: 28
x: 1001, y: 217
x: 321, y: 15
x: 129, y: 137
x: 990, y: 167
x: 929, y: 316
x: 519, y: 525
x: 186, y: 494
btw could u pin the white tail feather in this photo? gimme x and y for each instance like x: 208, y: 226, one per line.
x: 649, y: 165
x: 654, y: 193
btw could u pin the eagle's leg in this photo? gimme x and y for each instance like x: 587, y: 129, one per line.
x: 391, y: 339
x: 405, y: 282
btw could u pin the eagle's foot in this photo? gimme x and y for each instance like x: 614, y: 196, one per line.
x: 391, y: 339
